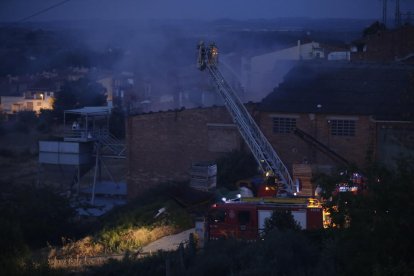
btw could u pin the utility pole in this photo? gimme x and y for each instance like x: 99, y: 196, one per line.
x: 397, y: 14
x: 384, y: 12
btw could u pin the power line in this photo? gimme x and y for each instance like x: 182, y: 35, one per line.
x: 43, y: 11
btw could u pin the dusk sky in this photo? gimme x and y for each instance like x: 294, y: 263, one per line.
x: 14, y: 10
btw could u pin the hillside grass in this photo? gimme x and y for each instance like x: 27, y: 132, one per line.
x: 128, y: 228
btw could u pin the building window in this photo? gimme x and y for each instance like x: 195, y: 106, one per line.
x: 342, y: 127
x: 283, y: 125
x: 29, y: 106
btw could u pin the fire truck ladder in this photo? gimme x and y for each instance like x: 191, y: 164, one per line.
x: 263, y: 152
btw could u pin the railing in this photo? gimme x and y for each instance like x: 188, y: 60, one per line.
x: 112, y: 144
x: 83, y: 134
x: 107, y: 141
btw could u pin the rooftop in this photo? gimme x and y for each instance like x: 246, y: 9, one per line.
x: 91, y: 111
x: 383, y: 91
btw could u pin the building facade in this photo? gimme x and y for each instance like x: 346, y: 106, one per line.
x: 260, y: 74
x: 28, y: 102
x: 162, y: 146
x: 327, y: 115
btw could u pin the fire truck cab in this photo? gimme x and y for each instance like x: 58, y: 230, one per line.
x: 246, y: 220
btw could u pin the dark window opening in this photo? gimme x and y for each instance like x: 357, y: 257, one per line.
x: 283, y: 125
x: 343, y: 127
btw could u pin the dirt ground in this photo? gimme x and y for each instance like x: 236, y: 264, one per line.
x: 18, y: 158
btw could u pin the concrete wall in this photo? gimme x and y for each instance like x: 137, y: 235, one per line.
x: 261, y: 74
x: 162, y: 146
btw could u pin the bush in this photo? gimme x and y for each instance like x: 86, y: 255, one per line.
x: 41, y: 214
x: 27, y: 117
x: 3, y: 117
x: 43, y: 127
x: 2, y: 130
x: 7, y: 153
x: 151, y: 266
x: 21, y: 127
x: 13, y: 249
x: 45, y: 121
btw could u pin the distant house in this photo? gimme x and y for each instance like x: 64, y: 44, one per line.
x: 118, y: 87
x: 28, y: 102
x: 260, y: 74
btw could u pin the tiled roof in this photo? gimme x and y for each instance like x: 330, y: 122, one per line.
x: 380, y: 90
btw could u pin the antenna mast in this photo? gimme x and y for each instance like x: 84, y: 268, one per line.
x: 397, y: 14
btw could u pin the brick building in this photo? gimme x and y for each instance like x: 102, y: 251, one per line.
x: 346, y: 107
x: 162, y: 146
x: 386, y: 46
x: 323, y: 114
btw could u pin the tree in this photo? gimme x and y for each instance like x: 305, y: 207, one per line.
x: 40, y: 213
x: 374, y: 28
x: 375, y: 226
x: 13, y: 250
x: 77, y: 94
x: 45, y: 120
x: 281, y: 220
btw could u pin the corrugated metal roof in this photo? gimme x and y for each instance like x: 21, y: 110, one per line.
x: 91, y: 110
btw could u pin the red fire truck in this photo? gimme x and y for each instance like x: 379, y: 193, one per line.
x: 246, y: 219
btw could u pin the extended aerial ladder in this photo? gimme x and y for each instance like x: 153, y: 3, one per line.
x: 268, y: 160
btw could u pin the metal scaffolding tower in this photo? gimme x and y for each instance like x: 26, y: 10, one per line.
x: 85, y: 144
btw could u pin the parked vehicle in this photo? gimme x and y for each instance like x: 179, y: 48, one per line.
x: 246, y: 219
